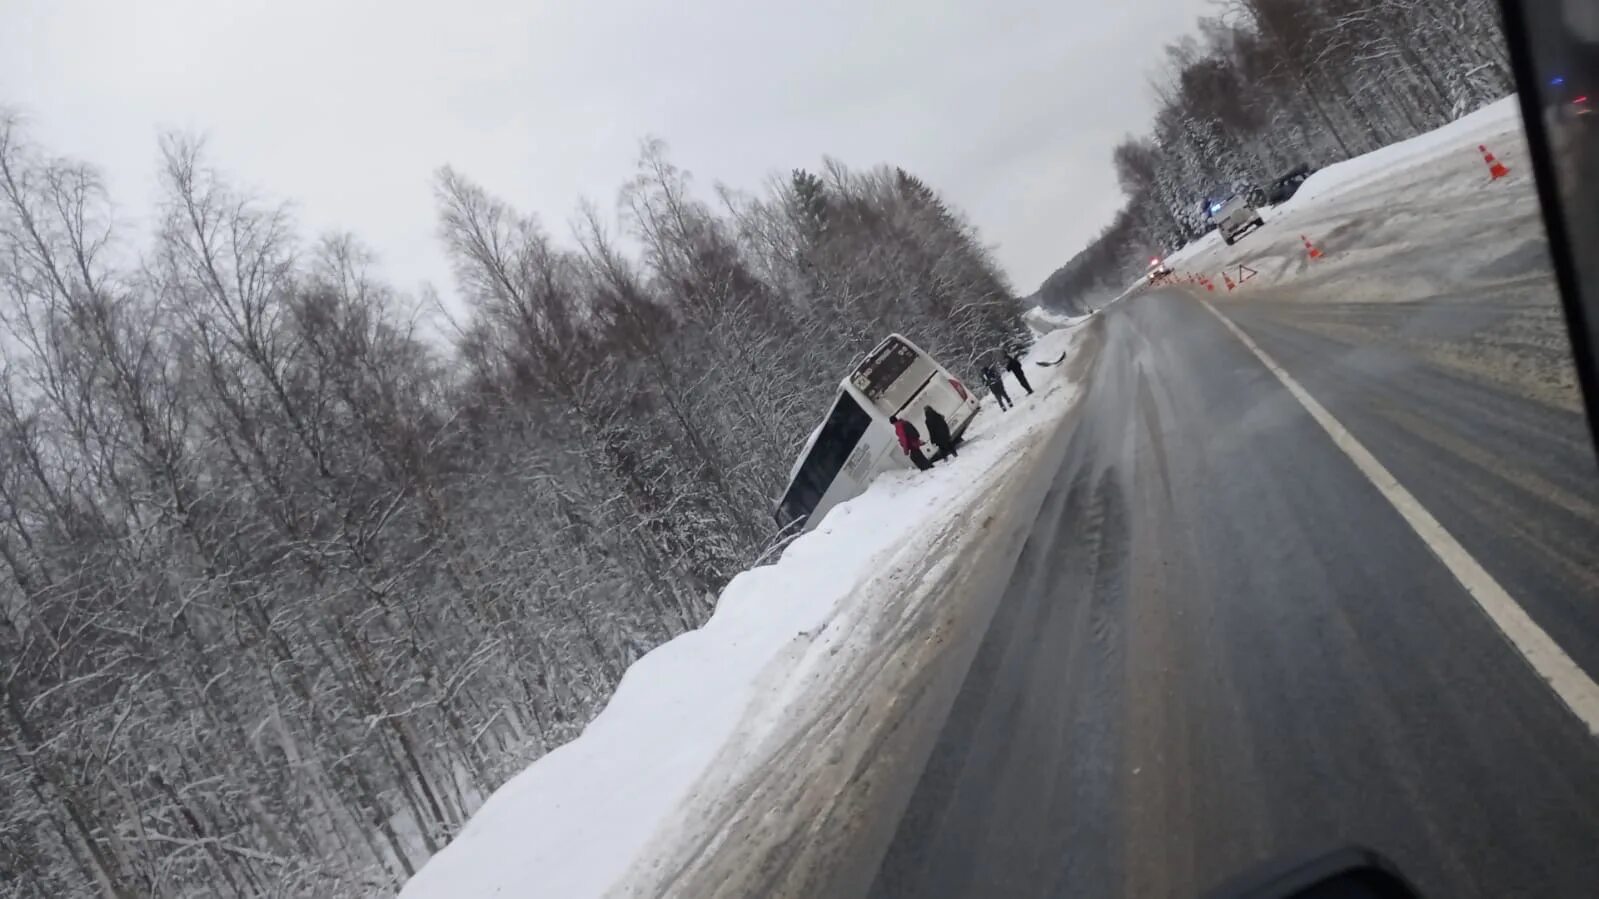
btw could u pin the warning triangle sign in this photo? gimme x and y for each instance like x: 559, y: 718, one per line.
x: 1245, y: 273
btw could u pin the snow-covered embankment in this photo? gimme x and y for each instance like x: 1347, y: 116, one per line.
x: 1380, y: 195
x: 765, y: 698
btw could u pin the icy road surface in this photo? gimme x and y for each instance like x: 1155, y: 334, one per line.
x: 1225, y: 645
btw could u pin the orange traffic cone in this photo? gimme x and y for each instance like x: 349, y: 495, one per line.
x: 1496, y: 169
x: 1310, y: 249
x: 1209, y: 286
x: 1228, y: 280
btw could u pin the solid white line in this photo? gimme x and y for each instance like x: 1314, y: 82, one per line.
x: 1573, y: 685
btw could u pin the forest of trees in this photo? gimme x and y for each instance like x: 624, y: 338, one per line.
x: 1271, y: 84
x: 289, y: 582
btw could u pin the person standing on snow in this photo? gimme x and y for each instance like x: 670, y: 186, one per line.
x: 910, y: 441
x: 938, y: 432
x: 996, y: 386
x: 1015, y: 366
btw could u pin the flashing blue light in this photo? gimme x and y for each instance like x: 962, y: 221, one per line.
x: 1557, y: 81
x: 1216, y: 208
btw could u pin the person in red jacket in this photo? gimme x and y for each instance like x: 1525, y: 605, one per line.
x: 910, y: 440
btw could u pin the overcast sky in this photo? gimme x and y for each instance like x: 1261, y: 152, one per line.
x: 346, y: 108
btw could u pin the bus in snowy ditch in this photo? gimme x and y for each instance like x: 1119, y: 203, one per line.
x: 855, y: 441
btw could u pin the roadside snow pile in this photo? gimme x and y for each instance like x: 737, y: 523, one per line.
x: 574, y: 822
x: 1043, y: 321
x: 1180, y: 259
x: 1464, y: 133
x: 1372, y: 184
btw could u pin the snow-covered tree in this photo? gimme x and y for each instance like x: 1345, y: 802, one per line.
x: 286, y: 589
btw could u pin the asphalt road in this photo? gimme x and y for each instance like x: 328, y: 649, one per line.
x: 1222, y: 645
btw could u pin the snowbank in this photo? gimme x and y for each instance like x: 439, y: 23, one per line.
x: 1489, y: 125
x: 574, y: 822
x: 1180, y: 259
x: 1043, y: 321
x: 1464, y: 133
x: 1369, y: 214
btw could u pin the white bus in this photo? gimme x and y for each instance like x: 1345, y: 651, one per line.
x: 855, y: 442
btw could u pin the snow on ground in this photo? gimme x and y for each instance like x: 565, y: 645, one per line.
x: 1182, y: 258
x: 699, y: 714
x: 1043, y: 321
x: 1469, y: 131
x: 1330, y: 192
x: 1373, y: 215
x: 574, y: 822
x: 1461, y: 259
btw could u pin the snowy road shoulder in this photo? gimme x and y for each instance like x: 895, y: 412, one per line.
x: 1363, y: 208
x: 699, y: 728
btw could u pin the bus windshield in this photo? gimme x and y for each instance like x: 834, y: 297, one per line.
x: 893, y: 374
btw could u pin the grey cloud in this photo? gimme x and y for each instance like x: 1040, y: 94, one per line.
x: 1011, y: 109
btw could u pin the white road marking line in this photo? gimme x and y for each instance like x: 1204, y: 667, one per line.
x: 1573, y: 685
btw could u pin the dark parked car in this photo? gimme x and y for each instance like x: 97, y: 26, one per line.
x: 1288, y: 185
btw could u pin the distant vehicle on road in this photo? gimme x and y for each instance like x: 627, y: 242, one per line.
x: 1287, y: 185
x: 855, y: 442
x: 1569, y: 100
x: 1234, y: 217
x: 1158, y: 270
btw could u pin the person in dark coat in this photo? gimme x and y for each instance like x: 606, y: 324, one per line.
x: 1015, y: 366
x: 938, y: 432
x: 910, y: 441
x: 996, y: 386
